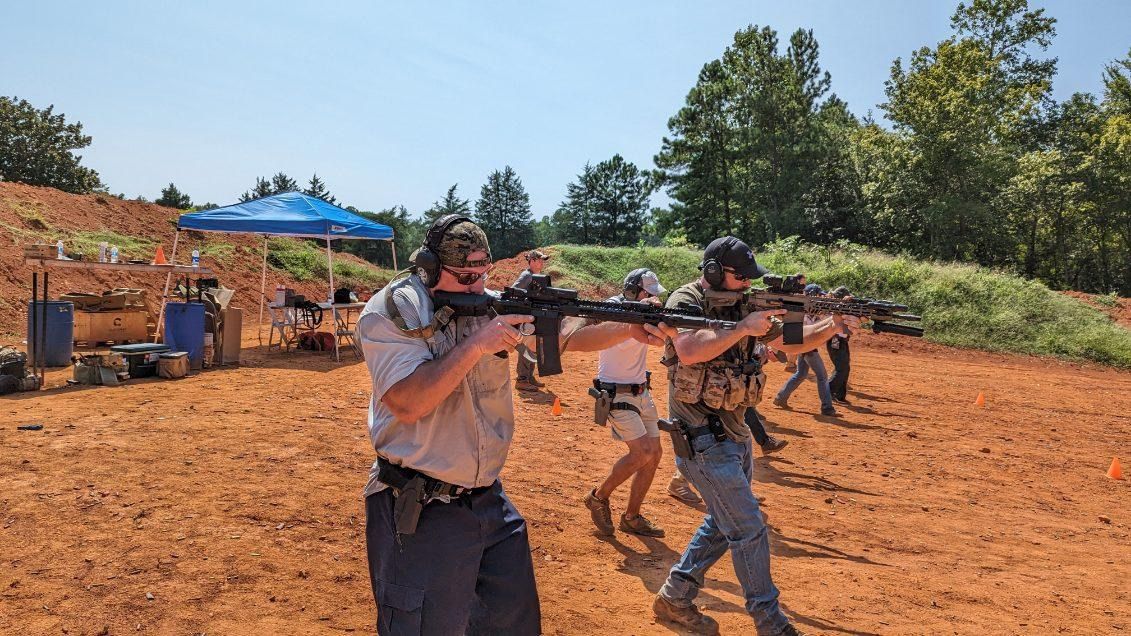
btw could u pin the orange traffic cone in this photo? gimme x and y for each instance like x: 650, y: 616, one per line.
x: 159, y: 257
x: 1116, y: 471
x: 980, y: 401
x: 557, y: 408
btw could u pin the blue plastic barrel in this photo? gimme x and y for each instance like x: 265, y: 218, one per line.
x: 60, y: 330
x: 184, y: 331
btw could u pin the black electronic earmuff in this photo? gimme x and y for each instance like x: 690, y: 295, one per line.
x: 712, y: 268
x: 427, y: 260
x: 633, y: 283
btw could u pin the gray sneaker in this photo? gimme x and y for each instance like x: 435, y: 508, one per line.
x: 681, y: 490
x: 602, y: 515
x: 690, y: 618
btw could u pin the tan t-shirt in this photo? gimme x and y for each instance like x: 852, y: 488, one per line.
x: 465, y: 439
x: 696, y: 414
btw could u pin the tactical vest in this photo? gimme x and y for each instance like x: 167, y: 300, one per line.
x: 734, y: 379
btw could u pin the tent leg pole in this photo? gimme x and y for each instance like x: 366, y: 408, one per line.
x: 333, y: 310
x: 165, y: 294
x: 393, y: 246
x: 262, y: 292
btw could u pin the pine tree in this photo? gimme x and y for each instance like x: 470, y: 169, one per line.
x: 317, y: 188
x: 503, y: 211
x: 171, y: 197
x: 450, y: 204
x: 281, y: 183
x: 37, y: 147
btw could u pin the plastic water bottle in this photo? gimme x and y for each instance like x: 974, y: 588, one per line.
x: 196, y: 258
x: 114, y: 254
x: 102, y: 249
x: 59, y: 249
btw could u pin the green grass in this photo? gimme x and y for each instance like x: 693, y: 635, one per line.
x: 305, y: 261
x: 961, y: 305
x: 129, y: 247
x: 219, y: 252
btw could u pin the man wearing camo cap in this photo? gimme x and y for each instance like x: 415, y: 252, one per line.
x: 448, y: 552
x: 524, y: 376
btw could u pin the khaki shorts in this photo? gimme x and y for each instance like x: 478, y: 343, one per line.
x: 626, y: 425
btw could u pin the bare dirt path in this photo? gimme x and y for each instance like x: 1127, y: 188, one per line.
x: 233, y: 499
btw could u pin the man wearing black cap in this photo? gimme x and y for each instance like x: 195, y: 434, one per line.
x: 809, y: 360
x: 714, y: 377
x: 839, y: 355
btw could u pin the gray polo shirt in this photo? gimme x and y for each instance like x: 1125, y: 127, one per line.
x: 524, y: 279
x: 465, y: 439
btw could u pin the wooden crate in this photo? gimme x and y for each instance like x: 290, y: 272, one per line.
x: 104, y: 326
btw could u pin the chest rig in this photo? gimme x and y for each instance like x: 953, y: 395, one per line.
x: 734, y: 379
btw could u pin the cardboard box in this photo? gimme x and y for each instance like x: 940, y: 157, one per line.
x: 103, y: 326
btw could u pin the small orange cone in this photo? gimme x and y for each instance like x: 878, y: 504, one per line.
x: 159, y: 257
x: 980, y: 401
x: 1116, y: 471
x: 557, y: 408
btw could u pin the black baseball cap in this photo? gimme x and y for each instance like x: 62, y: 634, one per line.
x: 733, y: 253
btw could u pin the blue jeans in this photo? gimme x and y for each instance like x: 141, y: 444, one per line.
x: 722, y: 472
x: 806, y: 361
x: 467, y: 570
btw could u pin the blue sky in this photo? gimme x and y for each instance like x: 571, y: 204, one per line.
x: 393, y: 102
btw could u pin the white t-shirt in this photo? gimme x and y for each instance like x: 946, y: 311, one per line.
x: 625, y: 363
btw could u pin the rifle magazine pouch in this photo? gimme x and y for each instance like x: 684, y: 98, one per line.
x: 756, y: 383
x: 688, y: 382
x: 736, y: 390
x: 602, y: 407
x: 716, y: 386
x: 680, y: 444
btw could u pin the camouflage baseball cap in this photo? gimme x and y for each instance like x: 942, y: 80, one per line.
x: 460, y: 241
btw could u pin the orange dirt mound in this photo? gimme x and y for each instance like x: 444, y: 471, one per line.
x: 31, y: 214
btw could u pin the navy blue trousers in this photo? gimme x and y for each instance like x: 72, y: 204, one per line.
x: 466, y: 570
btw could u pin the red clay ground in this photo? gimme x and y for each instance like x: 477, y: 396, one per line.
x: 233, y: 498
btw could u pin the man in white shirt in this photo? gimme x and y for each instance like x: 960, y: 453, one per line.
x: 622, y: 372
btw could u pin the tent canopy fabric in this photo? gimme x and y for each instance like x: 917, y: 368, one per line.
x: 287, y: 214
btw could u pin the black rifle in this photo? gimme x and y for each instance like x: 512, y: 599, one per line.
x: 549, y: 305
x: 784, y: 293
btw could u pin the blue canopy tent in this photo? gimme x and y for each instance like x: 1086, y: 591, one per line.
x: 288, y: 214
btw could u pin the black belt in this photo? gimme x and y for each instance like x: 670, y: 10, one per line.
x: 713, y: 427
x: 399, y: 476
x: 635, y: 389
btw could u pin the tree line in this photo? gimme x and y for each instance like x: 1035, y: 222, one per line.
x: 973, y: 160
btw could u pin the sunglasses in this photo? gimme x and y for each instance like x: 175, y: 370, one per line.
x: 738, y: 277
x: 467, y: 278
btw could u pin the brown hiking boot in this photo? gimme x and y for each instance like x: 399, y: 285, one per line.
x: 527, y: 385
x: 689, y: 618
x: 641, y: 526
x: 599, y: 510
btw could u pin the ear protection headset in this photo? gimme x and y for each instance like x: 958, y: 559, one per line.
x: 633, y: 284
x: 711, y: 267
x: 427, y: 260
